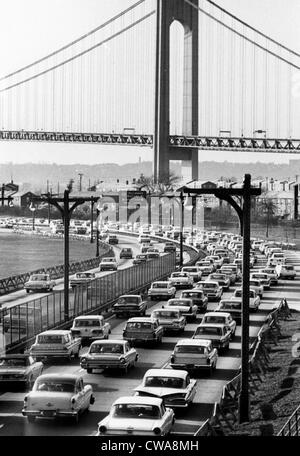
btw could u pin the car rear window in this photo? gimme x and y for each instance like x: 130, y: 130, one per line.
x: 189, y: 349
x: 87, y: 322
x: 50, y: 339
x: 208, y: 331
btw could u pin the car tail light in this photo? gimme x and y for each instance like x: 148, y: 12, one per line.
x: 102, y: 429
x: 157, y: 431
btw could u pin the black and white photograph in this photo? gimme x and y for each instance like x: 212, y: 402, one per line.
x: 149, y: 223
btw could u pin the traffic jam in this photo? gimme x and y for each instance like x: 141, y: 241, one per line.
x: 158, y: 364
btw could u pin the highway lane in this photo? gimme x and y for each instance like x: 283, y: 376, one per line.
x: 109, y: 386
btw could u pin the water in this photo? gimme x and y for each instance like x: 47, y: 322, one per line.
x: 24, y: 253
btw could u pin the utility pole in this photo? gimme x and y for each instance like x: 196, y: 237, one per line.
x: 80, y: 181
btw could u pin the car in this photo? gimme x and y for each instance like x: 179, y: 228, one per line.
x: 229, y: 272
x: 19, y: 368
x: 194, y: 354
x: 39, y: 282
x: 81, y: 278
x: 137, y: 415
x: 211, y: 289
x: 152, y: 255
x: 257, y: 286
x: 113, y: 239
x: 170, y: 319
x: 169, y: 247
x: 58, y: 395
x: 55, y: 343
x: 254, y: 299
x: 272, y: 273
x: 206, y: 267
x: 186, y: 307
x: 198, y: 298
x: 143, y: 239
x: 217, y: 260
x: 175, y: 387
x: 194, y: 272
x: 140, y: 258
x: 90, y: 327
x: 143, y: 330
x: 235, y: 270
x: 109, y: 354
x: 277, y: 258
x: 221, y: 317
x: 232, y: 306
x: 286, y: 271
x: 219, y: 334
x: 263, y: 278
x: 161, y: 290
x: 181, y: 280
x: 108, y: 264
x: 126, y: 252
x: 130, y: 305
x: 222, y: 279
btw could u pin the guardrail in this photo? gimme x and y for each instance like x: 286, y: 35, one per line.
x: 20, y: 323
x: 225, y: 411
x: 16, y: 282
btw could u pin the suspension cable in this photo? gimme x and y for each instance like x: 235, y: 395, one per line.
x: 73, y: 42
x: 253, y: 28
x: 242, y: 35
x: 80, y: 54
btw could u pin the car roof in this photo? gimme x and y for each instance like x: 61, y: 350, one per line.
x: 89, y: 317
x: 180, y: 299
x: 129, y: 296
x: 166, y: 373
x: 109, y: 341
x: 137, y: 319
x: 213, y: 314
x: 58, y: 332
x: 212, y: 325
x: 139, y: 400
x: 199, y: 342
x: 70, y: 377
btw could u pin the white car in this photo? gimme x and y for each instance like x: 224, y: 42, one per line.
x: 135, y: 415
x: 109, y: 354
x: 58, y: 395
x: 181, y: 280
x: 185, y: 305
x: 90, y: 327
x: 222, y: 279
x: 170, y: 319
x: 286, y: 271
x: 254, y: 301
x: 217, y: 260
x: 220, y: 318
x: 161, y: 290
x: 272, y: 273
x: 211, y: 289
x: 263, y: 278
x: 206, y: 267
x: 219, y: 334
x: 194, y: 271
x: 39, y: 282
x: 257, y: 286
x: 175, y: 387
x: 195, y: 354
x: 108, y: 264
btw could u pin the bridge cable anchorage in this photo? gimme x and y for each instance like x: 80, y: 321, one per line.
x: 243, y: 36
x: 80, y: 54
x: 82, y: 37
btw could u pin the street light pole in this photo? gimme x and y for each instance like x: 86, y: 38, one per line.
x: 244, y: 402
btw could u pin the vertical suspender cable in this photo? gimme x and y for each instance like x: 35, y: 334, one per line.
x: 242, y: 89
x: 233, y: 59
x: 253, y: 88
x: 221, y: 76
x: 289, y: 98
x: 266, y: 91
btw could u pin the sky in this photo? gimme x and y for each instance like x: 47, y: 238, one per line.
x: 33, y: 28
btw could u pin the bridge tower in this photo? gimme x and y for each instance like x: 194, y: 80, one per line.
x: 167, y: 12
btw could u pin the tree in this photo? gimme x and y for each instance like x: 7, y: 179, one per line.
x: 268, y: 208
x: 167, y: 183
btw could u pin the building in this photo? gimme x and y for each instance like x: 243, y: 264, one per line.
x: 23, y: 199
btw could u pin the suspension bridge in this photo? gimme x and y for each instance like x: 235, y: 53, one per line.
x: 175, y: 75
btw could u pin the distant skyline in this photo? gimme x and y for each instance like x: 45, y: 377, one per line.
x: 27, y: 39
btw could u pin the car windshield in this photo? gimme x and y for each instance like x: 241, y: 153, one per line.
x: 86, y: 322
x: 108, y: 260
x: 208, y: 285
x: 191, y: 294
x: 51, y: 339
x: 135, y: 411
x: 139, y: 325
x: 209, y: 330
x: 83, y: 275
x: 165, y: 382
x: 231, y: 305
x: 190, y: 270
x: 13, y: 362
x: 159, y: 285
x: 106, y: 348
x: 179, y: 274
x: 129, y: 300
x: 141, y: 257
x: 255, y: 283
x: 214, y: 319
x: 58, y: 386
x: 218, y: 277
x: 38, y: 277
x: 189, y: 349
x: 165, y: 314
x: 178, y: 302
x: 289, y: 268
